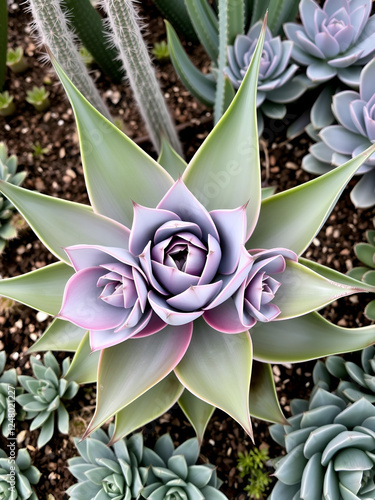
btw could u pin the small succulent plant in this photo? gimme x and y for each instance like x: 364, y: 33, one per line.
x: 366, y: 254
x: 355, y: 131
x: 17, y: 475
x: 276, y: 85
x: 8, y: 382
x: 251, y: 465
x: 86, y: 56
x: 161, y: 51
x: 108, y: 472
x: 16, y: 60
x: 45, y: 394
x: 7, y: 106
x: 174, y: 474
x: 335, y: 40
x: 8, y: 172
x: 330, y: 449
x: 39, y: 98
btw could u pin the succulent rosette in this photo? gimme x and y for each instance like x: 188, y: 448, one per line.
x: 353, y: 134
x: 337, y: 39
x: 146, y: 274
x: 276, y: 85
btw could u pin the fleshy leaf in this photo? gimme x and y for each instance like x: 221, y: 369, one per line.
x: 307, y: 337
x: 140, y: 364
x: 61, y: 223
x: 41, y: 289
x: 170, y: 160
x: 291, y: 219
x: 117, y: 171
x: 201, y: 370
x: 225, y: 171
x: 147, y: 407
x: 263, y: 400
x: 197, y: 411
x: 84, y: 366
x: 59, y: 336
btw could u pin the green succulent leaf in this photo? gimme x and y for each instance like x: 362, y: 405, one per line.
x: 205, y: 25
x: 59, y: 336
x: 117, y: 171
x: 201, y: 370
x: 365, y: 253
x: 307, y: 337
x: 291, y: 219
x: 170, y: 160
x: 197, y: 411
x: 41, y: 289
x: 147, y: 407
x: 225, y: 172
x: 84, y: 366
x: 76, y: 223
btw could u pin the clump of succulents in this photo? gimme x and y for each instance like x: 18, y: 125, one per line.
x: 337, y: 39
x: 355, y: 131
x: 8, y: 382
x: 366, y: 254
x: 8, y: 173
x: 45, y: 394
x: 173, y: 473
x: 330, y: 449
x: 16, y: 60
x: 161, y: 51
x: 108, y: 471
x: 17, y: 475
x: 251, y: 465
x: 39, y: 98
x: 276, y: 85
x: 7, y: 106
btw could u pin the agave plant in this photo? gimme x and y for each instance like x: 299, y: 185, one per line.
x: 329, y: 449
x: 108, y: 472
x: 366, y: 254
x: 45, y: 396
x: 335, y: 40
x: 17, y: 475
x: 276, y: 85
x: 173, y: 473
x: 355, y: 113
x: 8, y: 173
x: 168, y: 303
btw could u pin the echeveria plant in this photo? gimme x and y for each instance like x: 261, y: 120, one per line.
x: 8, y: 382
x: 167, y: 275
x: 276, y: 85
x: 17, y: 474
x: 337, y: 39
x: 355, y: 131
x: 329, y: 449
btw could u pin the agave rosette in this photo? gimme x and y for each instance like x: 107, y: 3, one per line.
x: 157, y: 348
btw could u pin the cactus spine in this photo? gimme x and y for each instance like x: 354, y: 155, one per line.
x: 51, y: 25
x: 126, y: 35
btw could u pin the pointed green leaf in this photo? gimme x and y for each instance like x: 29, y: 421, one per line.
x: 60, y: 223
x: 263, y: 400
x: 291, y: 219
x: 197, y: 411
x: 170, y: 160
x: 201, y: 86
x: 59, y: 336
x: 84, y: 366
x: 151, y: 405
x: 41, y: 289
x: 128, y: 370
x: 117, y: 171
x: 307, y: 337
x: 225, y: 171
x: 303, y: 291
x: 217, y: 369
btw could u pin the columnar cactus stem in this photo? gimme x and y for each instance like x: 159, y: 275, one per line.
x: 127, y: 37
x: 53, y: 30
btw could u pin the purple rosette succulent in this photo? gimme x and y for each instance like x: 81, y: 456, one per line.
x: 336, y: 40
x: 355, y: 131
x: 276, y: 84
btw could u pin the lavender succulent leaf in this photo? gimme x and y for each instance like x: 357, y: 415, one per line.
x: 197, y: 411
x: 59, y: 335
x: 113, y: 189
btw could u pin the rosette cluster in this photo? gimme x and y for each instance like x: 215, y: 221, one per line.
x: 182, y: 262
x: 336, y: 40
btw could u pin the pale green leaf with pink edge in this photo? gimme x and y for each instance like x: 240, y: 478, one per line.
x: 202, y: 371
x: 225, y: 171
x: 197, y: 411
x: 84, y: 366
x: 59, y: 336
x: 41, y: 289
x: 117, y: 171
